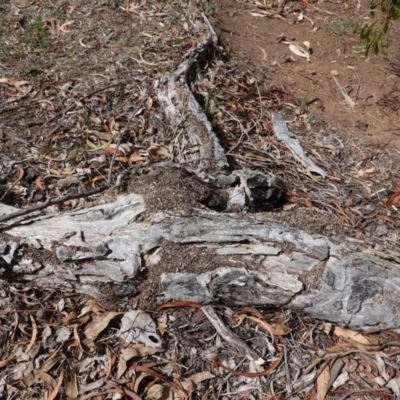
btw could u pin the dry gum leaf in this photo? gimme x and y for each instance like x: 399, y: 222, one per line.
x: 323, y: 383
x: 137, y: 350
x: 100, y: 322
x: 300, y: 51
x: 13, y: 82
x: 355, y: 337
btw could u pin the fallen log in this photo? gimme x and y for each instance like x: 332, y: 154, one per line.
x: 254, y: 261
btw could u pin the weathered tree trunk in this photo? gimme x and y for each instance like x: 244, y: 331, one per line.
x: 332, y: 279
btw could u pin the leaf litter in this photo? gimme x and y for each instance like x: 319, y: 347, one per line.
x: 66, y: 105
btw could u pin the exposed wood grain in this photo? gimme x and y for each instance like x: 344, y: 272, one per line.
x: 351, y: 286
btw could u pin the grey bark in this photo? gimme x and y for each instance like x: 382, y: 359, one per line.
x: 333, y: 279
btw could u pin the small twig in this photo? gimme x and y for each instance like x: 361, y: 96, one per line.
x: 230, y: 337
x: 49, y: 202
x: 288, y: 380
x: 228, y: 376
x: 201, y: 159
x: 20, y: 176
x: 245, y: 132
x: 74, y: 105
x: 210, y: 27
x: 18, y: 139
x: 281, y: 6
x: 370, y: 391
x: 347, y: 98
x: 121, y: 136
x: 358, y: 89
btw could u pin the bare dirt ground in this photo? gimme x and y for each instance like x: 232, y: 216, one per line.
x: 77, y: 78
x: 252, y: 32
